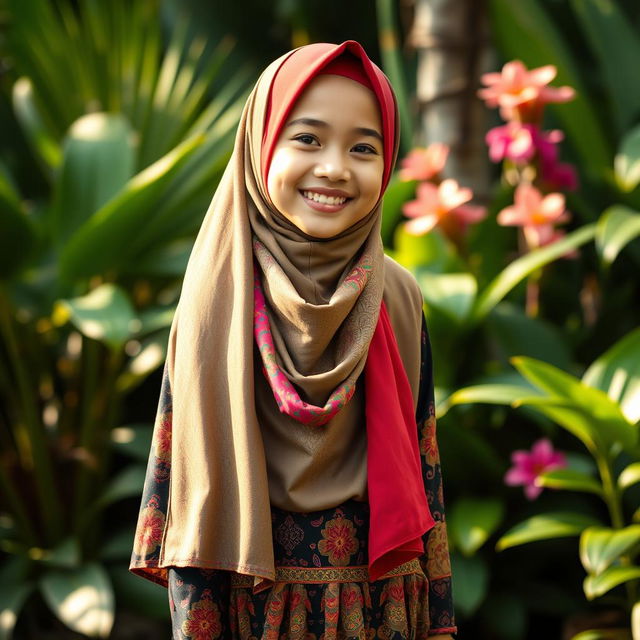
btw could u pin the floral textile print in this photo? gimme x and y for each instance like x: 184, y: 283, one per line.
x: 322, y: 589
x: 287, y: 398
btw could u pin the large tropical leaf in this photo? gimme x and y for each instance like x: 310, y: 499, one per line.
x: 602, y: 546
x: 104, y: 314
x: 617, y: 226
x: 617, y: 373
x: 546, y: 526
x: 519, y: 269
x: 571, y: 399
x: 98, y: 162
x: 103, y: 242
x: 472, y: 521
x: 614, y: 41
x: 452, y: 294
x: 81, y: 598
x: 598, y: 585
x: 627, y: 161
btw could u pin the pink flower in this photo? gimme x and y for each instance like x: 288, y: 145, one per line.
x: 513, y: 141
x: 424, y: 164
x: 443, y: 205
x: 528, y: 466
x: 535, y: 213
x: 517, y: 91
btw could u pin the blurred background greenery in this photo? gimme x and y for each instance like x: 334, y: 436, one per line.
x: 117, y: 119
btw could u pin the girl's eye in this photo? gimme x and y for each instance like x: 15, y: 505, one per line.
x: 364, y: 148
x: 306, y: 138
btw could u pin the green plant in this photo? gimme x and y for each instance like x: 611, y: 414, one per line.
x: 127, y: 145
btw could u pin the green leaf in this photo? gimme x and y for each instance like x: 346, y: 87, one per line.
x: 470, y: 592
x: 82, y: 598
x: 617, y: 226
x: 627, y: 161
x: 452, y: 294
x: 525, y: 31
x: 15, y: 588
x: 98, y: 162
x: 574, y: 419
x: 592, y: 407
x: 570, y: 480
x: 614, y: 42
x: 42, y: 142
x: 148, y: 598
x: 104, y: 314
x: 102, y: 242
x: 155, y: 318
x: 630, y: 475
x: 129, y: 482
x: 600, y: 547
x: 472, y: 521
x: 397, y: 194
x: 519, y: 269
x: 133, y: 440
x: 420, y: 252
x: 603, y: 634
x: 546, y: 526
x: 517, y: 334
x: 505, y: 394
x: 617, y: 373
x: 117, y: 546
x: 66, y: 555
x: 595, y: 586
x: 18, y: 232
x: 153, y: 352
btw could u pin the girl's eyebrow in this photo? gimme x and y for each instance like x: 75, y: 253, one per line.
x: 312, y: 122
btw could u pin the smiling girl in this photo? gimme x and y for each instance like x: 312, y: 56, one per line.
x: 294, y: 487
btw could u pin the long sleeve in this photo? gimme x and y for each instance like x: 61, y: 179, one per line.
x: 435, y: 562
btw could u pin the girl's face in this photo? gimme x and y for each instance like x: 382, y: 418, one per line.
x: 327, y: 165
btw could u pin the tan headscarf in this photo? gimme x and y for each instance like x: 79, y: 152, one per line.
x: 219, y: 510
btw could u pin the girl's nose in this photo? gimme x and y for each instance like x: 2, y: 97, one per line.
x: 332, y: 166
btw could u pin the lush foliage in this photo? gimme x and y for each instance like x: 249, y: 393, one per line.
x: 543, y: 319
x: 127, y: 133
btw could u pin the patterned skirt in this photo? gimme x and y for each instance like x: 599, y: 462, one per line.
x: 322, y: 589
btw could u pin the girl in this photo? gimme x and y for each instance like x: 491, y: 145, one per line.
x: 290, y: 492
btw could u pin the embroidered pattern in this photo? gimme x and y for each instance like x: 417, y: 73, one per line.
x: 287, y: 398
x: 338, y: 542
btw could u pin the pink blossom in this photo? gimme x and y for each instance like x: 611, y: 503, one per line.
x: 513, y: 141
x: 516, y: 90
x: 444, y: 206
x: 424, y: 164
x: 535, y: 213
x: 527, y: 466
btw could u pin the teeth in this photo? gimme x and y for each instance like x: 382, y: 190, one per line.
x: 318, y: 197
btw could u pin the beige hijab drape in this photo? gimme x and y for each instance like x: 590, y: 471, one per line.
x: 219, y: 507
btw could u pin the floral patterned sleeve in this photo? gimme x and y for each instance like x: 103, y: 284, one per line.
x: 435, y: 562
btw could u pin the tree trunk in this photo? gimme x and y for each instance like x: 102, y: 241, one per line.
x: 452, y: 41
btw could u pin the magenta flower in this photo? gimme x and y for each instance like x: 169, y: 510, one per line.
x: 527, y: 466
x: 513, y: 141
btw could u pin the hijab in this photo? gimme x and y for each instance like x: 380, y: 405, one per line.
x: 320, y: 304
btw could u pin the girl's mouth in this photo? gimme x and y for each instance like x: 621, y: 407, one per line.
x: 321, y: 202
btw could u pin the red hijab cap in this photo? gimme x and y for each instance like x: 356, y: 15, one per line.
x: 303, y: 65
